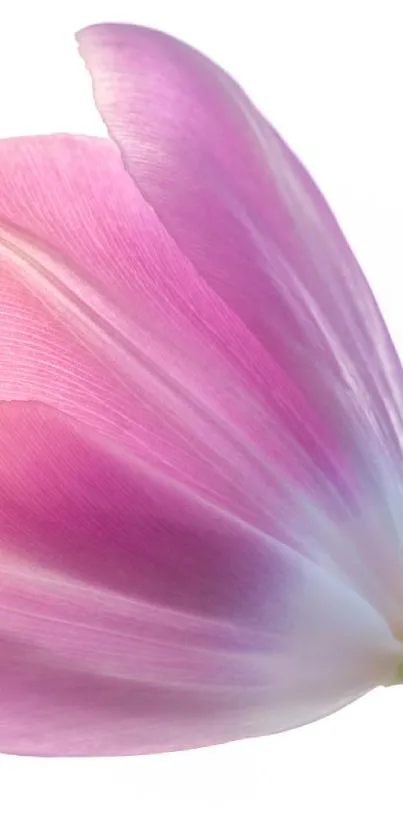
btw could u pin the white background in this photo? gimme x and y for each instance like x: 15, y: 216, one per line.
x: 329, y: 75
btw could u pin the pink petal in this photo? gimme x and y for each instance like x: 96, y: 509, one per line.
x: 189, y: 527
x: 303, y: 327
x: 245, y: 212
x: 136, y: 618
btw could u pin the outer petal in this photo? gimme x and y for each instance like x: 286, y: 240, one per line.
x: 245, y: 212
x: 264, y: 243
x: 155, y: 502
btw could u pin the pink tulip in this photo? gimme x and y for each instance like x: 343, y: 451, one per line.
x: 201, y: 474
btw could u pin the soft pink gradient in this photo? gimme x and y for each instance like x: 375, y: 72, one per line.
x: 200, y: 427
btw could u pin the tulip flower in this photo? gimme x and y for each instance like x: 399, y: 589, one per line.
x: 201, y: 473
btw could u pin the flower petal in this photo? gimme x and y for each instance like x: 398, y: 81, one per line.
x: 136, y: 618
x: 264, y: 243
x: 246, y: 213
